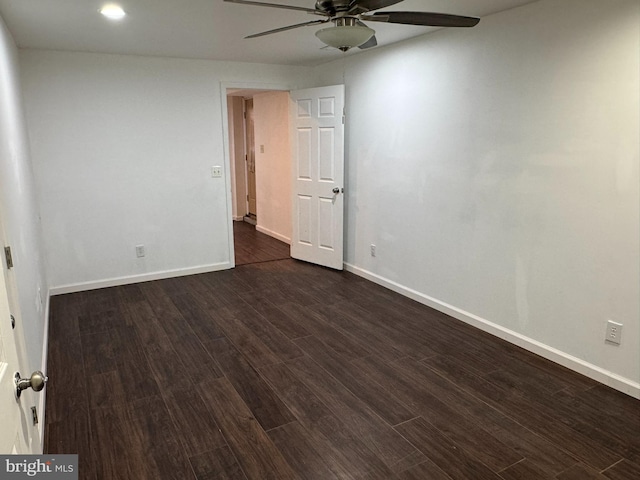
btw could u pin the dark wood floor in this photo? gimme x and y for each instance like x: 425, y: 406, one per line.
x: 282, y: 370
x: 252, y: 246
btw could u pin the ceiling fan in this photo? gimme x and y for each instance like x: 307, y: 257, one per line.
x: 347, y: 16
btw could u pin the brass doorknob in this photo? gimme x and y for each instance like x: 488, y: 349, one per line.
x: 37, y: 382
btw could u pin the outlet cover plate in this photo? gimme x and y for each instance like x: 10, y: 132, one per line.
x: 614, y: 332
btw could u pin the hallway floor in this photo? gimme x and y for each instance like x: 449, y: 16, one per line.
x: 252, y: 246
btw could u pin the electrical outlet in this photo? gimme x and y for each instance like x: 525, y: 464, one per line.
x: 216, y: 172
x: 373, y: 250
x: 614, y: 332
x: 140, y: 251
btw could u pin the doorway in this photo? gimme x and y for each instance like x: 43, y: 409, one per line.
x: 260, y: 161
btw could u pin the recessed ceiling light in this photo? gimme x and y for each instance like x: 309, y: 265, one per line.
x: 113, y: 11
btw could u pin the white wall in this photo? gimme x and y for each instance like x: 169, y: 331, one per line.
x: 18, y: 208
x: 273, y: 167
x: 122, y: 148
x: 496, y: 170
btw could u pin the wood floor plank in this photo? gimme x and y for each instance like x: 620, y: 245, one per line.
x: 102, y: 351
x: 159, y: 440
x: 167, y: 368
x: 446, y: 454
x: 528, y: 415
x: 422, y: 471
x: 106, y: 390
x: 285, y: 323
x: 358, y: 329
x: 147, y: 326
x: 620, y: 434
x: 219, y: 464
x: 525, y: 379
x: 433, y: 330
x: 352, y: 412
x: 271, y: 337
x: 263, y: 403
x: 244, y: 339
x: 73, y: 436
x: 134, y: 368
x: 338, y: 341
x: 66, y: 370
x: 544, y: 454
x: 348, y: 449
x: 617, y: 405
x: 452, y: 421
x: 580, y: 472
x: 96, y: 322
x: 117, y: 449
x: 195, y: 358
x: 524, y: 470
x: 202, y: 324
x: 374, y: 395
x: 171, y: 319
x: 624, y: 470
x: 361, y: 324
x: 63, y: 316
x: 302, y: 453
x: 194, y: 424
x: 256, y: 453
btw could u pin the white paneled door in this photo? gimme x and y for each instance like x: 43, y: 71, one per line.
x: 17, y: 433
x: 318, y: 175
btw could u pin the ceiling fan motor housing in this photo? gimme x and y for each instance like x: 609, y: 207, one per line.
x: 332, y: 6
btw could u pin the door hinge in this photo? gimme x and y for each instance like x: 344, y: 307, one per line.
x: 247, y: 198
x: 8, y: 257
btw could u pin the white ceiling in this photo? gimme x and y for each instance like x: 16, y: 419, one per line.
x: 206, y: 29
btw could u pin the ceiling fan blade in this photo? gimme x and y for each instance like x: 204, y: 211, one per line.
x: 290, y: 27
x: 363, y: 6
x: 423, y: 18
x: 274, y: 5
x: 372, y: 42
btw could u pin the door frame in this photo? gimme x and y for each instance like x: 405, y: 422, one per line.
x: 224, y: 86
x: 249, y: 144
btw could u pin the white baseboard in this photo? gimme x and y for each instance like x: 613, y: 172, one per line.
x: 238, y: 219
x: 273, y: 234
x: 599, y: 374
x: 147, y: 277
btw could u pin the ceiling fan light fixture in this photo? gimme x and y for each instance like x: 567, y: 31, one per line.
x: 346, y: 36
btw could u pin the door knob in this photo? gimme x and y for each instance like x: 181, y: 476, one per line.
x: 37, y: 382
x: 336, y: 190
